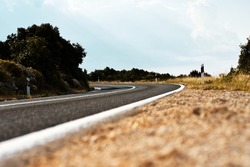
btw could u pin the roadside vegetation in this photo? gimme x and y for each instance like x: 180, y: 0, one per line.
x: 42, y: 55
x: 224, y: 82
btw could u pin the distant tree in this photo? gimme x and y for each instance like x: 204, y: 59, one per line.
x: 109, y: 74
x: 182, y: 76
x: 95, y: 75
x: 244, y: 58
x: 165, y: 76
x: 194, y: 73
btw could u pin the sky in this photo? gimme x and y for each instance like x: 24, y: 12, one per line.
x: 165, y: 36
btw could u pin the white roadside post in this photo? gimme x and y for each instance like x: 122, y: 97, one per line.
x: 202, y: 74
x: 28, y: 87
x: 156, y: 79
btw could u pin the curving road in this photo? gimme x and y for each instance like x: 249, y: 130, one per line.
x: 25, y: 116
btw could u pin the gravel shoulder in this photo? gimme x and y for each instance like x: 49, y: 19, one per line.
x: 190, y: 128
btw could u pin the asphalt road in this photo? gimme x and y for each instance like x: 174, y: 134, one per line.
x: 25, y: 116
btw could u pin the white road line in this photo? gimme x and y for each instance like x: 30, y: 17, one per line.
x: 63, y: 98
x: 16, y: 145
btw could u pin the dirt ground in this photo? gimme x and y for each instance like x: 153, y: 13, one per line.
x: 203, y: 128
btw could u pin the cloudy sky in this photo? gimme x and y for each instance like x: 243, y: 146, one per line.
x: 166, y: 36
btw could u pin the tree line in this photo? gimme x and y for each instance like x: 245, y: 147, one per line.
x: 135, y: 74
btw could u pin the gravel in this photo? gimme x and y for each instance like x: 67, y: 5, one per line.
x: 190, y: 128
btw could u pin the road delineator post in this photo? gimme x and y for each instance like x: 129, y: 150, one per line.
x: 28, y: 87
x: 202, y: 74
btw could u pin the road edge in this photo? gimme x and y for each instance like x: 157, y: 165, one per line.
x: 14, y: 146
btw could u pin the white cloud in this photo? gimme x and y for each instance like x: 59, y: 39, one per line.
x: 13, y: 5
x: 87, y: 7
x: 10, y: 4
x: 145, y: 4
x: 201, y: 2
x: 28, y: 2
x: 211, y: 32
x: 202, y: 16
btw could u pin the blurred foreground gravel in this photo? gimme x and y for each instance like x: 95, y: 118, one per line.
x: 191, y: 128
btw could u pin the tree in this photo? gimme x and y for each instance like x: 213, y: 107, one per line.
x: 244, y: 58
x: 194, y: 73
x: 42, y: 48
x: 30, y: 52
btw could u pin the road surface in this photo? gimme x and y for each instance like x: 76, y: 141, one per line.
x: 18, y: 118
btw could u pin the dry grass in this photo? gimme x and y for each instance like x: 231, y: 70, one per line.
x: 237, y: 82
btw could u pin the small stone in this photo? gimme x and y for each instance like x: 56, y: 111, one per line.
x: 197, y: 111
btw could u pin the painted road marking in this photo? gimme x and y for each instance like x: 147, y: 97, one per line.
x: 65, y: 98
x: 16, y: 145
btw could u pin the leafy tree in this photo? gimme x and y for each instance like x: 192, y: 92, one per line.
x: 194, y: 73
x: 42, y: 48
x: 30, y: 52
x: 244, y: 58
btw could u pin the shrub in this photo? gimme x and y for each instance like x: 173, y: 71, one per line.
x: 11, y: 67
